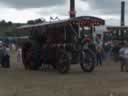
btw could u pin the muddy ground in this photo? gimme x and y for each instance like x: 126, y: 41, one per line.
x: 106, y: 80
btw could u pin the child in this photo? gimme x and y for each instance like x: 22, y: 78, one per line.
x: 124, y: 57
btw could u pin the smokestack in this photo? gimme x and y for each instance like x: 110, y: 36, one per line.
x: 123, y: 13
x: 72, y: 9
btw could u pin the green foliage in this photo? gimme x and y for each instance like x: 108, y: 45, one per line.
x: 9, y: 28
x: 35, y: 21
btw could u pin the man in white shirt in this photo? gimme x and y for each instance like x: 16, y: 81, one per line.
x: 124, y: 57
x: 19, y: 55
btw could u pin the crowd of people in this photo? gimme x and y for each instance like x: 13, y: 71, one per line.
x: 5, y: 53
x: 116, y: 50
x: 103, y: 51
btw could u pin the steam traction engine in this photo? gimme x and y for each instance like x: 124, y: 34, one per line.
x: 59, y: 43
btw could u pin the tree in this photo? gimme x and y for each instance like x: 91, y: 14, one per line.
x: 30, y: 22
x: 3, y: 22
x: 36, y: 21
x: 10, y: 23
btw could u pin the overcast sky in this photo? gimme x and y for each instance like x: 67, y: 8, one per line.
x: 24, y: 10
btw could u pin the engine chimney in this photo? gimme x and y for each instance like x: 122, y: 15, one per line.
x: 72, y: 9
x: 123, y: 13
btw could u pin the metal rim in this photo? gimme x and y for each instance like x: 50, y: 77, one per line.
x: 87, y: 60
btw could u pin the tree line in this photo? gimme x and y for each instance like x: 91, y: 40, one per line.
x: 8, y: 28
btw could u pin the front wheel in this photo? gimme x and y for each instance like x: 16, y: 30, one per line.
x: 29, y: 57
x: 63, y: 62
x: 87, y: 60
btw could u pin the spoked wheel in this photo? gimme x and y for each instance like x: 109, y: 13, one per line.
x: 87, y: 62
x: 63, y: 62
x: 27, y: 55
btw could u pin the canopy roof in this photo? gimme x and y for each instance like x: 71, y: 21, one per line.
x: 82, y: 20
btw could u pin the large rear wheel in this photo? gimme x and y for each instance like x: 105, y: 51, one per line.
x: 87, y: 61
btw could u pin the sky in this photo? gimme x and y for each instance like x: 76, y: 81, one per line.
x: 24, y: 10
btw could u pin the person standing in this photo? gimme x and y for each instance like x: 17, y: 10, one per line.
x: 1, y: 52
x: 107, y: 50
x: 4, y: 55
x: 115, y: 50
x: 19, y: 55
x: 99, y: 49
x: 123, y: 53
